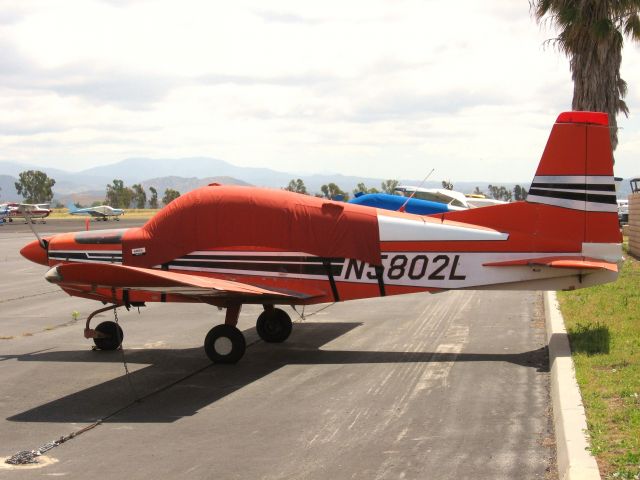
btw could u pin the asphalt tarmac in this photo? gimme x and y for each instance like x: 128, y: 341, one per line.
x: 446, y: 386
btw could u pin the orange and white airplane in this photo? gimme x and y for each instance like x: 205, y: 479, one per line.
x: 228, y: 246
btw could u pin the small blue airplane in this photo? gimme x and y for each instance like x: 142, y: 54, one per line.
x: 101, y: 212
x: 395, y: 202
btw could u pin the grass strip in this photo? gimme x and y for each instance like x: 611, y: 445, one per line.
x: 144, y: 213
x: 603, y: 323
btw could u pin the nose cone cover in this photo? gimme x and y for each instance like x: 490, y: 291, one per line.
x: 33, y: 251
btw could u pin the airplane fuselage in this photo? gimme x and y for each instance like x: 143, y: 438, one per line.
x: 417, y: 254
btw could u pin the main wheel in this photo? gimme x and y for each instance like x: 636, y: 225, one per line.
x: 112, y: 338
x: 274, y: 325
x: 224, y: 344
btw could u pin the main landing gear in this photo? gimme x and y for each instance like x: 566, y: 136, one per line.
x: 273, y: 325
x: 223, y: 344
x: 226, y: 344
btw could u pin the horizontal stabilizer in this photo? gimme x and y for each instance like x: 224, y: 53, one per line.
x: 558, y: 262
x: 145, y: 279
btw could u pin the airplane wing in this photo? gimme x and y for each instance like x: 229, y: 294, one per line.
x: 95, y: 213
x: 558, y: 262
x: 152, y: 280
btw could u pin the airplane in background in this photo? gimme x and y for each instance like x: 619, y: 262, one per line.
x: 4, y: 213
x: 101, y: 212
x: 27, y: 211
x: 399, y: 203
x: 228, y: 246
x: 423, y: 201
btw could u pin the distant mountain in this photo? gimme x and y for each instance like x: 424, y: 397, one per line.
x: 136, y: 170
x: 7, y: 189
x: 66, y: 182
x: 184, y: 185
x: 14, y: 169
x: 89, y: 185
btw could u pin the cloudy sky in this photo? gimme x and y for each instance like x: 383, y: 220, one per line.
x: 389, y: 89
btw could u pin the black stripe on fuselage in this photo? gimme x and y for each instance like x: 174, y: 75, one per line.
x: 262, y: 258
x: 598, y: 187
x: 276, y: 267
x: 579, y: 196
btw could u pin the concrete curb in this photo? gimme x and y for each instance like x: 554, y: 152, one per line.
x: 570, y: 423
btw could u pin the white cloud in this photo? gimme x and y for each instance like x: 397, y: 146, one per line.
x: 390, y: 89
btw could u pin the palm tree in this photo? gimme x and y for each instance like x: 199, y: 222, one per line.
x: 591, y: 35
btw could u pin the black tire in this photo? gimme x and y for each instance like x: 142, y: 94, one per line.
x: 274, y: 326
x: 224, y: 344
x: 113, y: 336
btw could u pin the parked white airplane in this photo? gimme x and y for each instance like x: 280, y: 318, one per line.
x: 101, y: 212
x: 455, y: 200
x: 26, y: 210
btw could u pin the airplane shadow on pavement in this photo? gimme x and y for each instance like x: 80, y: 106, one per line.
x: 179, y: 382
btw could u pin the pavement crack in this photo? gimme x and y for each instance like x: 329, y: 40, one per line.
x: 28, y: 296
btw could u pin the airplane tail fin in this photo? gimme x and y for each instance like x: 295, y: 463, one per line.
x: 576, y: 173
x: 576, y: 169
x: 571, y: 204
x: 72, y: 208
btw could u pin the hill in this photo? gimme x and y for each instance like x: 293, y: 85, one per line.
x: 89, y: 184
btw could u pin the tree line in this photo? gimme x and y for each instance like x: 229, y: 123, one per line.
x: 334, y: 192
x: 120, y: 196
x: 36, y: 187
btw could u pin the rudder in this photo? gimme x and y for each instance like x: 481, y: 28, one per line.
x: 576, y: 173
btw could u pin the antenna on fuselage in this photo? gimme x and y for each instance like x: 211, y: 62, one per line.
x: 401, y: 209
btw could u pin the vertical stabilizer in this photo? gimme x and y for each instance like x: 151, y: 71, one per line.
x: 576, y: 173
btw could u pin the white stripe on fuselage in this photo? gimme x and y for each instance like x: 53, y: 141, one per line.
x: 405, y: 229
x: 438, y: 270
x: 574, y: 204
x: 588, y: 179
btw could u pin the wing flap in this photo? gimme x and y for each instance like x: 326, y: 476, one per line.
x: 145, y: 279
x: 558, y: 262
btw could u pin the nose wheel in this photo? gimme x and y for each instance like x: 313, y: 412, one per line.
x: 109, y: 336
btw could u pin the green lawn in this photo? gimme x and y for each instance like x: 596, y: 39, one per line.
x: 604, y: 329
x: 145, y: 213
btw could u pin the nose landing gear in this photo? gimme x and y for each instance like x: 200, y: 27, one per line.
x: 107, y: 335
